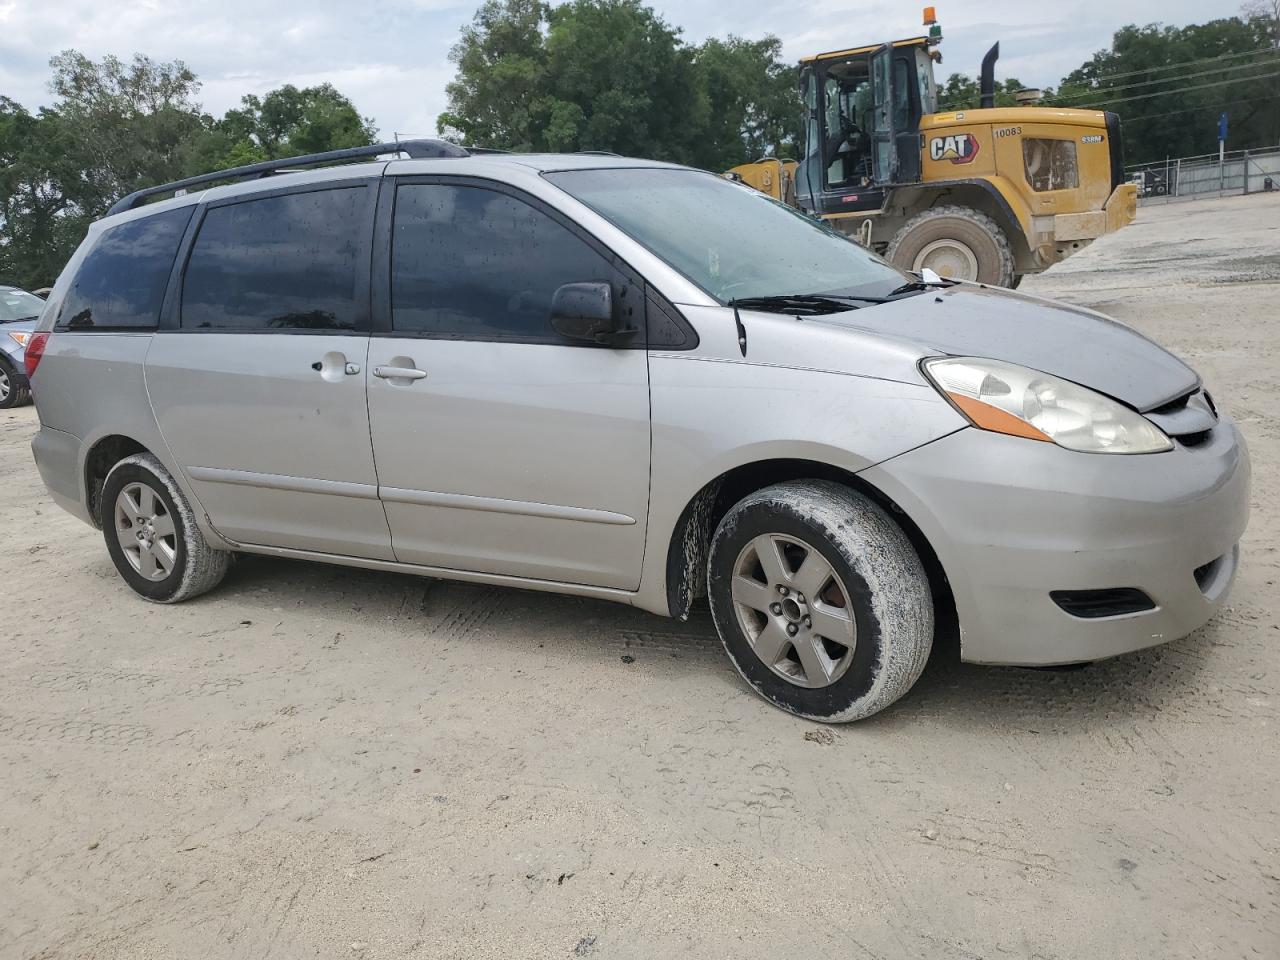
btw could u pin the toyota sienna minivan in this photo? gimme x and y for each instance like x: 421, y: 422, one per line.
x: 634, y: 381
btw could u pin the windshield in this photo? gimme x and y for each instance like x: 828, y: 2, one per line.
x: 730, y: 240
x: 19, y: 305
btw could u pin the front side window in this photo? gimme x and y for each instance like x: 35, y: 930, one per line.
x: 473, y: 263
x: 730, y: 240
x: 121, y: 281
x: 288, y: 262
x: 1050, y: 164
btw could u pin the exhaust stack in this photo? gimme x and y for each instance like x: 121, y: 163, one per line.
x: 987, y: 83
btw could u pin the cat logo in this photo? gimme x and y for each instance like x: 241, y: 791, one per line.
x: 958, y: 148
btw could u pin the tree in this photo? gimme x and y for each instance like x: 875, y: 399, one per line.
x: 754, y: 106
x: 613, y: 75
x: 117, y: 126
x: 289, y: 122
x: 961, y: 92
x: 1267, y: 11
x: 1169, y: 84
x: 38, y: 222
x: 125, y: 124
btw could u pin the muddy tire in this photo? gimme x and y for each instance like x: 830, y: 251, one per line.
x: 14, y: 390
x: 152, y: 536
x: 955, y: 242
x: 820, y: 600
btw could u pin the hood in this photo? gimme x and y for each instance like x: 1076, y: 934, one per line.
x: 1078, y: 345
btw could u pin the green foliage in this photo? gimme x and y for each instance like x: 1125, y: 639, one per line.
x: 1171, y: 112
x: 117, y: 126
x: 963, y: 93
x: 613, y: 75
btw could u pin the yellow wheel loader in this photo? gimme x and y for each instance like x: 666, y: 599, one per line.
x: 987, y: 194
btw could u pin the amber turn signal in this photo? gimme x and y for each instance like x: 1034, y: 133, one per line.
x: 994, y: 419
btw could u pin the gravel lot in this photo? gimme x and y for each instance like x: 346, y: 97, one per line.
x: 317, y: 761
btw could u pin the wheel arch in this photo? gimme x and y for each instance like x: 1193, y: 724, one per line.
x: 690, y: 541
x: 101, y: 456
x: 981, y: 195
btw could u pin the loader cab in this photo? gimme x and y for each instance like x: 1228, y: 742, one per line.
x: 863, y: 111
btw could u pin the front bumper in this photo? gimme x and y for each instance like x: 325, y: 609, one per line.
x: 1013, y: 519
x: 1121, y: 209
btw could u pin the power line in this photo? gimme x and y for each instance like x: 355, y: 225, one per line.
x: 1264, y: 52
x: 1205, y: 106
x: 1180, y: 90
x: 1094, y: 91
x: 1189, y: 63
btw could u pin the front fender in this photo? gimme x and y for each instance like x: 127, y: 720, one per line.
x: 712, y: 414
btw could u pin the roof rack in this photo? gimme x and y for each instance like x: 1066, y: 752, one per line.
x: 415, y: 149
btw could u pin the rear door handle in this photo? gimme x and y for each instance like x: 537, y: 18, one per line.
x: 399, y: 373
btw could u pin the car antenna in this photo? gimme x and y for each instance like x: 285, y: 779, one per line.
x: 742, y: 332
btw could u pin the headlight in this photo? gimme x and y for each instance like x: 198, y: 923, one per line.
x: 20, y: 338
x: 1020, y: 402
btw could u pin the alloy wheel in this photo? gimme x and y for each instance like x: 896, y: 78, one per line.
x: 5, y: 384
x: 794, y: 610
x: 146, y: 531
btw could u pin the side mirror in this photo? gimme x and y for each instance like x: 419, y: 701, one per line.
x: 584, y: 311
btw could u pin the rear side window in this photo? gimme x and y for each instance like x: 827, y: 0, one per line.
x: 287, y: 262
x: 472, y: 263
x: 121, y: 281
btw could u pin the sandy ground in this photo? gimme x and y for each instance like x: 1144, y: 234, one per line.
x: 324, y: 762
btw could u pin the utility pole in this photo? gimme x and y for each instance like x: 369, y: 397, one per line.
x: 1222, y: 148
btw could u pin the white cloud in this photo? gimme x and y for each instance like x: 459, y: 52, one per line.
x: 391, y: 56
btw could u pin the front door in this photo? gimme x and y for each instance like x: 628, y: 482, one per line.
x: 258, y: 381
x: 502, y: 447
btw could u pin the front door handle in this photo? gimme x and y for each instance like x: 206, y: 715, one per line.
x: 399, y: 373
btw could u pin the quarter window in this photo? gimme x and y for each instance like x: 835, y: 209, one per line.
x: 287, y: 262
x: 473, y: 263
x: 121, y: 282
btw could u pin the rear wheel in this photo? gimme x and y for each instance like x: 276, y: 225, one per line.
x: 957, y: 243
x: 822, y: 603
x: 14, y: 391
x: 152, y: 536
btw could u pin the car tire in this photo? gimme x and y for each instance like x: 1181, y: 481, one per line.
x: 970, y: 241
x: 152, y: 536
x: 14, y: 391
x: 863, y: 632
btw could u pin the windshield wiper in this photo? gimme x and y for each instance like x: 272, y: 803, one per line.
x: 804, y: 304
x: 34, y: 316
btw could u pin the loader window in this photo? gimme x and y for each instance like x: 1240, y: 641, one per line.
x: 1050, y: 164
x: 847, y: 121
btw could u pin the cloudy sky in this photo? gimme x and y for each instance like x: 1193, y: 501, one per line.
x: 391, y: 56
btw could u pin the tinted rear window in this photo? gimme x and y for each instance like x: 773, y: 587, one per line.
x: 121, y: 282
x: 279, y: 263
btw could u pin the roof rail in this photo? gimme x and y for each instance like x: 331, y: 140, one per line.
x: 416, y: 150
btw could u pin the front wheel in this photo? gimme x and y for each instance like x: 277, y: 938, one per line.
x: 152, y: 536
x: 956, y: 243
x: 820, y: 600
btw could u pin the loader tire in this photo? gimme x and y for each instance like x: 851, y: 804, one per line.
x: 957, y: 243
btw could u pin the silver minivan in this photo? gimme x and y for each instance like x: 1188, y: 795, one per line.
x: 634, y: 381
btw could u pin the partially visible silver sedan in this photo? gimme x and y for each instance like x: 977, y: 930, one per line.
x: 639, y: 382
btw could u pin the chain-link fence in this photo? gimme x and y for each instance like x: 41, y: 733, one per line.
x: 1188, y: 178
